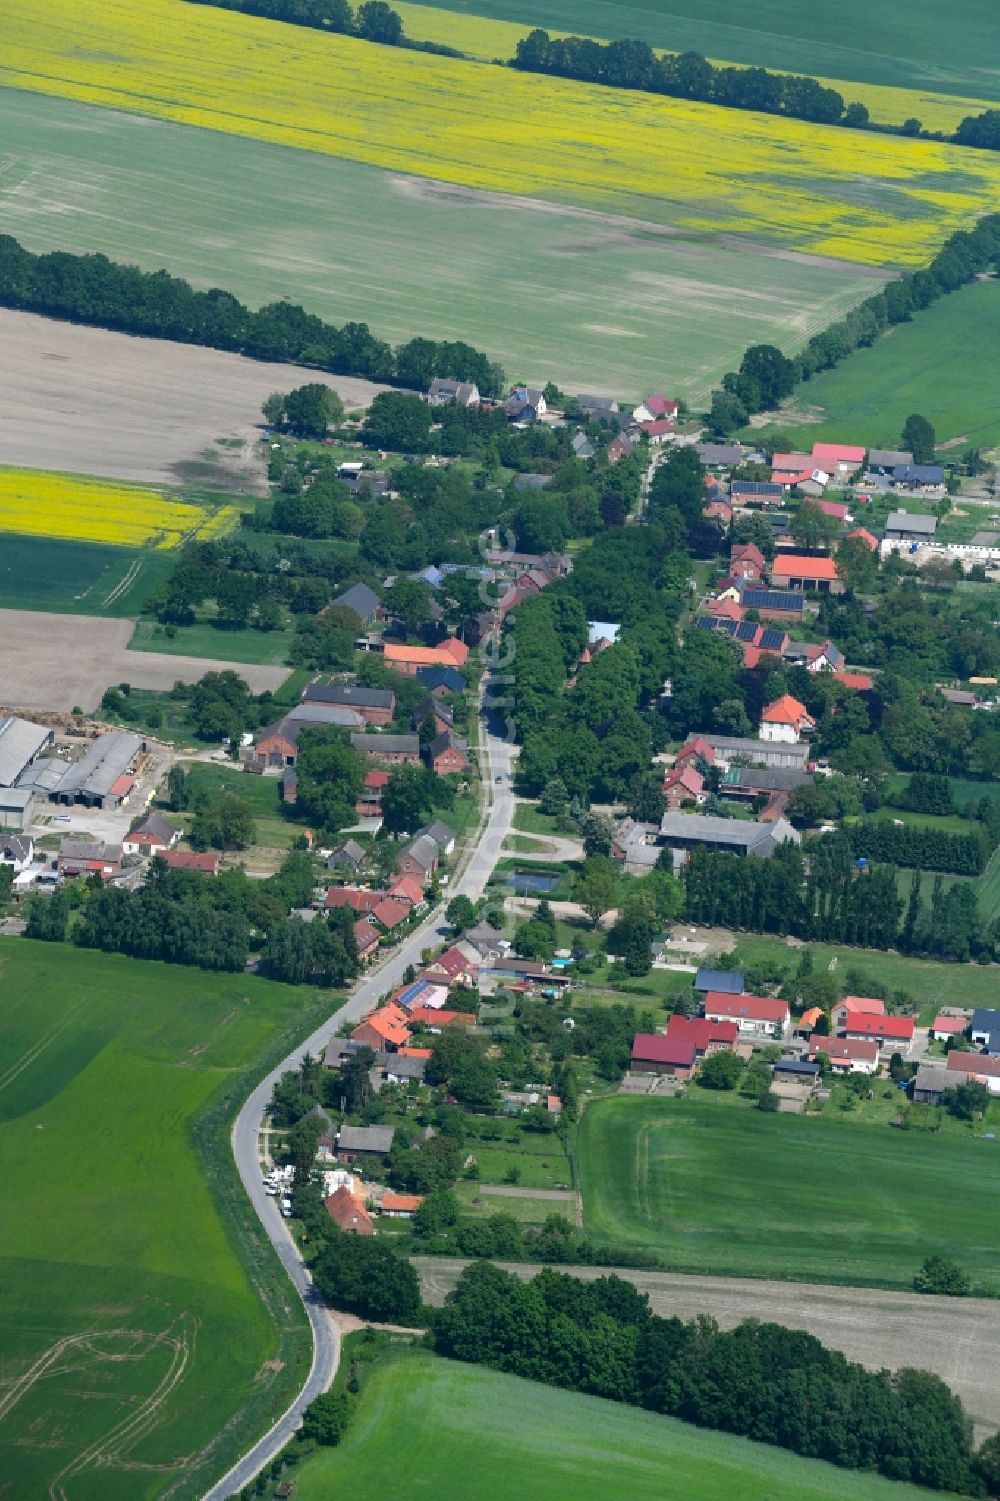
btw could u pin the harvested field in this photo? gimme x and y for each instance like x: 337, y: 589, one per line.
x: 54, y: 662
x: 107, y: 404
x: 958, y: 1339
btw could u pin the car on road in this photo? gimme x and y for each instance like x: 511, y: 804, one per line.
x: 499, y: 779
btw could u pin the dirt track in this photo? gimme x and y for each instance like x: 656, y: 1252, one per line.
x: 958, y: 1338
x: 93, y: 402
x: 55, y: 662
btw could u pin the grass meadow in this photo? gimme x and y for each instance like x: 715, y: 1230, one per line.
x: 712, y: 1185
x: 79, y: 578
x: 884, y: 200
x: 901, y: 43
x: 934, y: 365
x: 203, y: 639
x: 560, y: 295
x: 137, y: 1351
x: 464, y: 1433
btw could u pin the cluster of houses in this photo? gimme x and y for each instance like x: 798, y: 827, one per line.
x: 979, y: 1061
x: 861, y: 1035
x: 383, y: 913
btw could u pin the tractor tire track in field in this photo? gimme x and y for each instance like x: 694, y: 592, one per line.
x: 33, y: 1053
x: 126, y: 583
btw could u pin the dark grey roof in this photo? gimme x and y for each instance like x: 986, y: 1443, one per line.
x: 359, y: 598
x: 772, y: 599
x: 154, y: 823
x: 904, y: 521
x: 103, y: 762
x: 918, y: 474
x: 442, y: 677
x: 365, y: 1138
x: 445, y: 741
x: 726, y: 833
x: 719, y: 455
x: 729, y: 981
x: 403, y: 1068
x: 350, y: 695
x: 888, y: 458
x: 424, y: 850
x: 348, y: 853
x: 439, y: 831
x: 766, y: 779
x: 387, y: 744
x: 988, y: 1023
x: 756, y: 487
x: 796, y: 1066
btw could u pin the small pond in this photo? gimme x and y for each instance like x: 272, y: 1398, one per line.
x: 527, y: 881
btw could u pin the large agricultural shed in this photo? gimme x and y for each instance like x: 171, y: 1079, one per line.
x: 20, y: 742
x: 101, y: 778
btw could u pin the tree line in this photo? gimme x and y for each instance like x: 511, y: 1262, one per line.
x: 923, y: 849
x: 818, y: 892
x: 374, y: 21
x: 94, y: 290
x: 185, y: 917
x: 775, y: 1385
x: 766, y: 375
x: 631, y: 64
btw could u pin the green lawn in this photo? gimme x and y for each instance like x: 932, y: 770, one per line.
x: 900, y: 42
x: 936, y: 365
x: 529, y: 820
x: 561, y: 295
x: 428, y: 1426
x: 47, y: 573
x: 930, y: 983
x: 121, y: 1280
x: 203, y: 639
x: 478, y: 1204
x: 713, y: 1185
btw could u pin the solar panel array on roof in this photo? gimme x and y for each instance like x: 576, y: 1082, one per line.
x: 772, y: 640
x: 707, y: 623
x: 728, y: 627
x: 746, y: 630
x: 772, y: 599
x: 756, y: 487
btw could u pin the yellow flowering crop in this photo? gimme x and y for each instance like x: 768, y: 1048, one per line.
x: 484, y: 38
x: 96, y: 510
x: 876, y: 199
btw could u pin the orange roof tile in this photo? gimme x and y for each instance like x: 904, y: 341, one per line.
x: 793, y: 565
x: 786, y: 710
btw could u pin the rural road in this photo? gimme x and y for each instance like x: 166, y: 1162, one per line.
x: 956, y: 1338
x: 496, y: 760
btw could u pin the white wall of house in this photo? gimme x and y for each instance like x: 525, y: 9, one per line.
x: 785, y: 734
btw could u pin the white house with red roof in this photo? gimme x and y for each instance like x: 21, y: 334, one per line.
x: 847, y: 1055
x: 894, y: 1034
x: 946, y: 1025
x: 756, y: 1016
x: 786, y: 720
x: 655, y: 409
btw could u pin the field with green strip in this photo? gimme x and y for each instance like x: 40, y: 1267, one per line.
x: 899, y: 42
x: 933, y: 365
x: 137, y: 1351
x: 463, y: 1433
x: 550, y: 292
x: 715, y: 1186
x: 79, y: 578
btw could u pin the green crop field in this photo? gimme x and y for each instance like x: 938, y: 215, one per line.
x: 136, y: 1348
x: 462, y: 1433
x: 899, y: 42
x: 79, y: 578
x: 713, y: 1185
x: 585, y: 299
x: 204, y: 639
x: 935, y: 365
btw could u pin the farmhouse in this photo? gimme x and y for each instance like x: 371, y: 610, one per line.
x: 360, y: 600
x: 151, y: 837
x: 847, y: 1055
x: 653, y: 1054
x: 774, y: 604
x: 785, y: 720
x: 348, y: 1213
x: 419, y: 859
x: 900, y: 526
x: 390, y: 750
x: 855, y: 1005
x: 206, y: 864
x: 975, y: 1066
x: 894, y: 1034
x: 21, y: 741
x: 408, y: 660
x: 443, y: 836
x: 366, y: 940
x: 683, y: 832
x: 89, y: 857
x: 375, y: 705
x: 102, y: 778
x: 359, y: 898
x: 706, y: 1036
x: 446, y: 753
x: 350, y: 855
x: 720, y: 455
x: 384, y: 1030
x: 883, y: 461
x: 918, y: 477
x: 756, y: 1016
x: 441, y: 679
x: 748, y: 492
x: 732, y: 750
x: 931, y: 1082
x: 682, y: 785
x: 462, y: 393
x: 806, y: 575
x: 748, y: 782
x: 278, y: 745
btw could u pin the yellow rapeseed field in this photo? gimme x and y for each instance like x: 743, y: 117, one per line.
x: 873, y: 199
x: 487, y: 39
x: 72, y: 506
